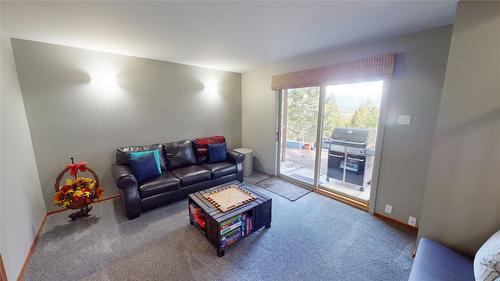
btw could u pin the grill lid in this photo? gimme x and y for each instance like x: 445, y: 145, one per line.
x: 354, y: 137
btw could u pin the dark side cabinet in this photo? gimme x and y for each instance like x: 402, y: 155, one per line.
x: 224, y: 229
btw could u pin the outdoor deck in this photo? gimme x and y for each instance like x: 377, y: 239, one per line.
x: 299, y: 164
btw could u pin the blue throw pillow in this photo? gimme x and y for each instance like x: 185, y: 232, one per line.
x: 144, y: 167
x: 156, y: 154
x: 217, y: 152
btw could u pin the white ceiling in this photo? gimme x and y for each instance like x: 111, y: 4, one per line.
x: 234, y: 36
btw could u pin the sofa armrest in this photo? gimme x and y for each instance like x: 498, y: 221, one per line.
x: 127, y: 183
x: 434, y: 261
x: 235, y: 157
x: 123, y: 175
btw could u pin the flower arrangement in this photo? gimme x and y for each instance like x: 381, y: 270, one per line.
x: 77, y: 192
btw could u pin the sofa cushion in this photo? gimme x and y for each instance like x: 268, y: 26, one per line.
x: 191, y: 174
x: 436, y: 262
x: 123, y: 157
x: 179, y: 154
x: 220, y: 169
x: 144, y: 167
x: 165, y: 183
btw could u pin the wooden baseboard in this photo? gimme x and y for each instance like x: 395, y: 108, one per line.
x: 97, y: 201
x: 32, y: 248
x: 343, y: 199
x: 3, y: 273
x: 396, y: 222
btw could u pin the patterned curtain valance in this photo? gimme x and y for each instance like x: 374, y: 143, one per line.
x: 373, y: 68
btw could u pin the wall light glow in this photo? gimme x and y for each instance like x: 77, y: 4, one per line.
x: 103, y: 77
x: 212, y: 87
x: 104, y: 84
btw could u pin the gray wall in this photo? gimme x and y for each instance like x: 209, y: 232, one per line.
x: 462, y: 199
x: 415, y: 90
x: 21, y: 204
x: 76, y: 107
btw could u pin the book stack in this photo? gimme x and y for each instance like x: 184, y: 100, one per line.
x: 247, y: 224
x: 197, y: 215
x: 232, y: 229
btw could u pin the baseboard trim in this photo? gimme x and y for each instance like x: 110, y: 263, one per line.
x: 3, y: 273
x: 97, y: 201
x: 343, y: 199
x: 32, y: 248
x: 37, y: 236
x: 396, y: 222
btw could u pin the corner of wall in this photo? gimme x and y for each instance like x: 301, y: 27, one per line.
x: 21, y: 190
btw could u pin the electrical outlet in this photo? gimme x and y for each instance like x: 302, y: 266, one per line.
x: 388, y: 209
x: 412, y: 221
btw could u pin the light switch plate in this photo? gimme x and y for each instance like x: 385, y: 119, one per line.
x: 404, y: 120
x: 412, y: 221
x: 388, y: 209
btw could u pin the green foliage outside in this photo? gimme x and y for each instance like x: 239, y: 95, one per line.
x: 302, y: 115
x: 303, y: 106
x: 365, y: 116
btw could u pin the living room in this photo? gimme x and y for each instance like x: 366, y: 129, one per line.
x: 355, y: 140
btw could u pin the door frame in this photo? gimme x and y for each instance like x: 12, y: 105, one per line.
x: 317, y: 166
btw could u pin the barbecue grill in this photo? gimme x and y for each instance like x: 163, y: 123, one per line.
x: 347, y: 155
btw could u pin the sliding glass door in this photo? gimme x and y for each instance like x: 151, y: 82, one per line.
x: 298, y: 130
x: 340, y: 156
x: 350, y: 122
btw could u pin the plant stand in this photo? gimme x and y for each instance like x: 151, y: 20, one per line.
x: 82, y: 213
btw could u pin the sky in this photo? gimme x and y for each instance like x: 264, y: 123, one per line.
x: 353, y: 95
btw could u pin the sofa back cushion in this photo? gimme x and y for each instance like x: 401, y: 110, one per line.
x: 123, y: 153
x: 179, y: 154
x: 201, y: 146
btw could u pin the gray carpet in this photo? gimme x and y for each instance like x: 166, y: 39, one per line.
x: 314, y: 238
x: 282, y: 188
x: 256, y: 177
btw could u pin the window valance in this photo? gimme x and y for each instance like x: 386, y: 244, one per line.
x: 372, y: 68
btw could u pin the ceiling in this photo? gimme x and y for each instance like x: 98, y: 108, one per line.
x: 233, y: 36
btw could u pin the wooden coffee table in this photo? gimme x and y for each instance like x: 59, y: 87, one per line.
x: 224, y: 229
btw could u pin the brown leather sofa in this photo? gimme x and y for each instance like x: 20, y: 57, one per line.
x: 182, y: 173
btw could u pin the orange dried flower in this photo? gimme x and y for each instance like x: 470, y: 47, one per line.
x: 58, y: 197
x: 99, y: 192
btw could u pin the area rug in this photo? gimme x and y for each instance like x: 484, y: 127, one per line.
x: 284, y: 189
